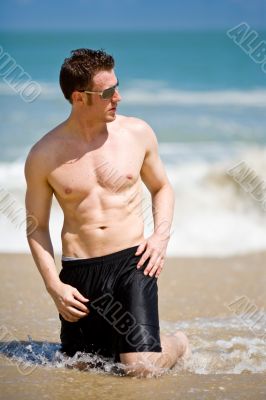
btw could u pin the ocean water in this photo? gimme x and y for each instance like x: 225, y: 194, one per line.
x: 203, y: 96
x: 220, y: 346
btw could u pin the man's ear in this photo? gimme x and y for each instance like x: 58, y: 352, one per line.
x: 77, y: 97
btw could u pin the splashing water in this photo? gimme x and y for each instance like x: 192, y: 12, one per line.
x: 222, y: 346
x: 219, y: 346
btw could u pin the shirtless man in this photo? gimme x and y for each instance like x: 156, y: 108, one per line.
x: 94, y: 163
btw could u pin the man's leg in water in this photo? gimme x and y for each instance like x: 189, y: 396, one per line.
x: 141, y: 364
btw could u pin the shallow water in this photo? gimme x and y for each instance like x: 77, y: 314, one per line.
x: 219, y: 346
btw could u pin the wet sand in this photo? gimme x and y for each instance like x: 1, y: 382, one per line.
x: 193, y: 292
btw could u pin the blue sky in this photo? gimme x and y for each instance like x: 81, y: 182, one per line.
x: 130, y: 14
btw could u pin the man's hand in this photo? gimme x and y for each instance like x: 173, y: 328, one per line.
x: 155, y: 247
x: 69, y: 302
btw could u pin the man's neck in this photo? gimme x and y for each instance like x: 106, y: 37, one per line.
x: 86, y: 127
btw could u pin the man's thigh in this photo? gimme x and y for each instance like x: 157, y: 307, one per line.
x: 91, y: 334
x: 138, y: 328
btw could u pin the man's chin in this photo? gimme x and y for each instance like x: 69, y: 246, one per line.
x: 110, y: 118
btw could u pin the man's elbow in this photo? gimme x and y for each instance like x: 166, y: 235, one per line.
x: 166, y: 187
x: 34, y: 228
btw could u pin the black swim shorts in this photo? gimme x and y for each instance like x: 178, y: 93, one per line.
x: 123, y: 304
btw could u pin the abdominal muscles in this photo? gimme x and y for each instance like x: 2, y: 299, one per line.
x: 93, y: 240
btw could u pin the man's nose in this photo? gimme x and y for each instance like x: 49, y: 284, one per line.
x: 116, y: 97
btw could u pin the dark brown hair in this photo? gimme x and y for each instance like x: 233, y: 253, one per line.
x: 78, y: 70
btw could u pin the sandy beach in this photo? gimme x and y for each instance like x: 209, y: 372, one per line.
x: 208, y: 298
x: 195, y: 73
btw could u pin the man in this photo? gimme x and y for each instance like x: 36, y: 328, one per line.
x: 93, y: 163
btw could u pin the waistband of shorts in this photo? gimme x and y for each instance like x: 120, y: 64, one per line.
x: 117, y: 256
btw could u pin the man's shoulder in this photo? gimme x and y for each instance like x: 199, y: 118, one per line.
x: 41, y: 151
x: 134, y: 124
x: 141, y: 131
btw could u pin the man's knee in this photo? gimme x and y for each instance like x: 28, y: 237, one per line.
x: 175, y: 345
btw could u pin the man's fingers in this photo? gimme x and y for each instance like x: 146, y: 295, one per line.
x: 79, y: 305
x: 141, y: 248
x: 68, y: 317
x: 145, y: 256
x: 70, y: 314
x: 152, y: 266
x: 159, y: 270
x: 76, y: 313
x: 79, y: 296
x: 154, y: 269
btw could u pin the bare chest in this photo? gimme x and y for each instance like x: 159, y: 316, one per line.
x: 113, y: 167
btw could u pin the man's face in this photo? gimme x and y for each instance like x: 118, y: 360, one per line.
x: 103, y: 110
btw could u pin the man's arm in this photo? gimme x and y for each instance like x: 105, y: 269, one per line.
x: 154, y: 176
x: 38, y: 204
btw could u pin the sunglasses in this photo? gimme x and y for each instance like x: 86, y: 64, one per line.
x: 106, y: 94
